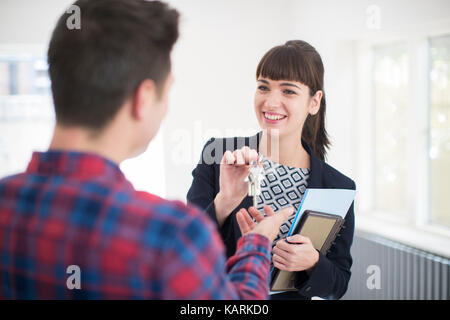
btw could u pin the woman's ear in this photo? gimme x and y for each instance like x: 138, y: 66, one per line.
x: 314, y: 105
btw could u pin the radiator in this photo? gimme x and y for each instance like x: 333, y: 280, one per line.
x: 404, y: 272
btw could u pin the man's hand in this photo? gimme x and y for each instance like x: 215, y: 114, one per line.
x: 268, y: 226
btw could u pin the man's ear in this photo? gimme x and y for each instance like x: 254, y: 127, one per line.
x: 144, y: 95
x: 314, y: 105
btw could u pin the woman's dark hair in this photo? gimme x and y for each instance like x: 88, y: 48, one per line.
x: 94, y: 69
x: 297, y: 60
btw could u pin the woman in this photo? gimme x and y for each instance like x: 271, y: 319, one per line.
x: 290, y: 107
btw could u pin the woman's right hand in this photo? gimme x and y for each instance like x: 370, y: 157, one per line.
x: 234, y: 168
x: 268, y: 226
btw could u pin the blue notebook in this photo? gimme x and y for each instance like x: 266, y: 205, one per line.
x: 331, y: 201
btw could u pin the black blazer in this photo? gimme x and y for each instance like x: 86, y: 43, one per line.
x: 331, y: 275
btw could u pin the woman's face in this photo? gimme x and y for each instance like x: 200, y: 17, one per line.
x: 284, y: 105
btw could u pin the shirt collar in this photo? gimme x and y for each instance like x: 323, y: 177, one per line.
x: 74, y: 163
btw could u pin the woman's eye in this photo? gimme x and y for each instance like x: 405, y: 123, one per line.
x: 263, y: 88
x: 287, y: 91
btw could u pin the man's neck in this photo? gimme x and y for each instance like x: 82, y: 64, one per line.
x: 79, y: 139
x: 286, y: 150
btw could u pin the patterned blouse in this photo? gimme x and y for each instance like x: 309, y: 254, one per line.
x: 282, y: 186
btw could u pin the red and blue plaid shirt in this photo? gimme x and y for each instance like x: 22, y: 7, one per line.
x: 72, y: 208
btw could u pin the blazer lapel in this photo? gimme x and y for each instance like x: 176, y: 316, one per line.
x: 315, y: 174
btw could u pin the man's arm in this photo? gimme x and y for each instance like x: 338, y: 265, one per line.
x: 194, y: 266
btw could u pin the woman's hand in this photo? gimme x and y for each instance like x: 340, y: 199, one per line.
x: 234, y: 168
x: 268, y: 226
x: 298, y: 255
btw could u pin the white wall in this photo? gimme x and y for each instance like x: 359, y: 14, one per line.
x: 214, y: 65
x: 28, y: 21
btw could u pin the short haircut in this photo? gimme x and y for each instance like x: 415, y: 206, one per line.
x: 94, y: 69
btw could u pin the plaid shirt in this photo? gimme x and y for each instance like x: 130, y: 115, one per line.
x: 72, y: 208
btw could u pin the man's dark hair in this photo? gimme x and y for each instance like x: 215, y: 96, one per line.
x: 93, y: 70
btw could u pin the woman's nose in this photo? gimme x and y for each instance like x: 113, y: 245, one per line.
x: 273, y: 100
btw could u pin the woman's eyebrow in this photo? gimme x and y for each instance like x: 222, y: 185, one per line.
x: 289, y: 85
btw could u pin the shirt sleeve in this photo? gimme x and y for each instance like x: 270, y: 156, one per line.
x: 195, y: 267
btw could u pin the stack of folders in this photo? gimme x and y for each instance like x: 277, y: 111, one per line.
x: 320, y: 218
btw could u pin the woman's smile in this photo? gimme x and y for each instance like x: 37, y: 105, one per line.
x: 273, y: 118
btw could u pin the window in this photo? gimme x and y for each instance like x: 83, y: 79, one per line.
x: 395, y: 129
x: 23, y: 75
x: 391, y: 128
x: 26, y: 113
x: 439, y: 122
x: 404, y: 141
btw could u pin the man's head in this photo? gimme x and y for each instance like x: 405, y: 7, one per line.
x: 120, y: 58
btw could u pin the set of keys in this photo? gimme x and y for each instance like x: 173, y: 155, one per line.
x: 254, y: 179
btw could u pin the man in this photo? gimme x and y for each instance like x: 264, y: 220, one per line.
x: 71, y: 225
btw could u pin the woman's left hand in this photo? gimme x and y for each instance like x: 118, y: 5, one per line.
x: 296, y: 256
